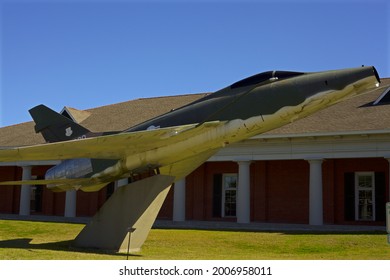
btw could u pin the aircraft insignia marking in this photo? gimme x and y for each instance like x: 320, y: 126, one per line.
x: 68, y: 132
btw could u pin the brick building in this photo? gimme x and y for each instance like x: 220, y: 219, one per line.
x: 329, y: 168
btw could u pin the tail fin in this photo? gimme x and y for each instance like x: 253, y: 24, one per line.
x: 55, y: 127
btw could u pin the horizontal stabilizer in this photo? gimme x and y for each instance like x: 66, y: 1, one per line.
x: 68, y: 184
x: 46, y: 182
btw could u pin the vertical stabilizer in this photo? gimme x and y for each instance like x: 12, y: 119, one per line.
x: 55, y: 127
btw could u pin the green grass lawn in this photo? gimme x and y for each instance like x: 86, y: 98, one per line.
x: 23, y: 240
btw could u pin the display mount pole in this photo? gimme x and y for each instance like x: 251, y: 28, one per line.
x: 130, y: 230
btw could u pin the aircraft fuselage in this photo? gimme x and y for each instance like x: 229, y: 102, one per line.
x: 249, y: 107
x: 265, y: 94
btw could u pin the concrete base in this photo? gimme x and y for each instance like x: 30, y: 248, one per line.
x: 134, y: 206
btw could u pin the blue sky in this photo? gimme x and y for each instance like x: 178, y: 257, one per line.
x: 86, y: 54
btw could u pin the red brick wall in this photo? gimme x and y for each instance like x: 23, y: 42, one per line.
x: 329, y: 185
x: 195, y: 189
x: 88, y: 203
x: 287, y: 191
x: 279, y: 190
x: 276, y: 195
x: 9, y: 195
x: 259, y: 191
x: 166, y: 211
x: 53, y: 203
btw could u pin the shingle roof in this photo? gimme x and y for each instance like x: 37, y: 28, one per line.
x: 19, y: 135
x: 126, y: 114
x: 354, y: 114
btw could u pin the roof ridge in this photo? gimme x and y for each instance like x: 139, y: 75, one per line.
x: 169, y: 96
x: 145, y: 98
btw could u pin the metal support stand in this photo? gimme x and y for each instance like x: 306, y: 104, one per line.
x: 130, y: 231
x: 133, y: 206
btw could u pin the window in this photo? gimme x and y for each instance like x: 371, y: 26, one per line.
x: 365, y: 196
x: 36, y: 195
x: 229, y: 194
x: 110, y: 188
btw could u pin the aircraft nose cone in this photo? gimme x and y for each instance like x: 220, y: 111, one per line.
x: 360, y: 78
x: 334, y: 86
x: 357, y: 76
x: 376, y: 74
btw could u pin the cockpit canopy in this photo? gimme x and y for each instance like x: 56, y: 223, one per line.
x: 264, y: 77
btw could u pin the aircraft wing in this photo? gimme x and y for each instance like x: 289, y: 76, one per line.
x: 114, y: 146
x: 179, y: 169
x: 46, y: 181
x: 60, y: 185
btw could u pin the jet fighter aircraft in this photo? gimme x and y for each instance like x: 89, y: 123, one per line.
x: 172, y: 145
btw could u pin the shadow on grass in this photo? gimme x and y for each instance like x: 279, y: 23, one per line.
x: 65, y: 246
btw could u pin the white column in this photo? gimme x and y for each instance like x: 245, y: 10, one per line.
x: 70, y: 203
x: 243, y: 193
x: 315, y: 192
x: 25, y: 192
x: 179, y: 201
